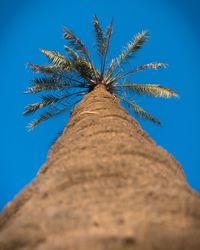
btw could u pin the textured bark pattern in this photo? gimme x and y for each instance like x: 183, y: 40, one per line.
x: 105, y: 185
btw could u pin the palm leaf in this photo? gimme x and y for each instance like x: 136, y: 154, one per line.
x: 154, y: 90
x: 80, y: 65
x: 100, y: 41
x: 153, y: 66
x: 56, y: 81
x: 47, y: 83
x: 107, y: 43
x: 44, y: 80
x: 79, y: 47
x: 54, y: 111
x: 71, y: 53
x: 47, y: 115
x: 134, y: 45
x: 110, y: 69
x: 84, y: 69
x: 49, y: 100
x: 140, y: 111
x: 45, y: 86
x: 46, y: 101
x: 46, y: 69
x: 56, y: 58
x: 75, y: 42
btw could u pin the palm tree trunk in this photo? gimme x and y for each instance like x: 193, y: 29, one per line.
x: 105, y: 185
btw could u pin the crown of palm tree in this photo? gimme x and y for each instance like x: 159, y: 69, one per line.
x: 74, y: 75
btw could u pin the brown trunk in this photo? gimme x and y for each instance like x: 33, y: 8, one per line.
x: 105, y: 185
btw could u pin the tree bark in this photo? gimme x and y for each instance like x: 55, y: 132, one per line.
x: 105, y: 186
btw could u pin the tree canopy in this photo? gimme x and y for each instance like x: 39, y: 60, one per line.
x: 68, y: 77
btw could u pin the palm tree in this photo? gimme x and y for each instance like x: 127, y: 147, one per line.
x: 70, y: 77
x: 106, y: 184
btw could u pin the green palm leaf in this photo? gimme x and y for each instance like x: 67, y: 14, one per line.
x: 44, y: 80
x: 45, y: 86
x: 153, y: 66
x: 110, y: 69
x: 79, y: 47
x: 75, y: 42
x: 72, y: 53
x: 140, y: 111
x: 100, y: 41
x: 52, y: 84
x: 45, y: 69
x: 107, y: 43
x: 47, y: 115
x: 46, y: 101
x: 84, y: 69
x: 56, y: 58
x: 154, y: 90
x: 134, y: 45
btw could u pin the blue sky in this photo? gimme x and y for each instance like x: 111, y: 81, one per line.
x: 27, y: 26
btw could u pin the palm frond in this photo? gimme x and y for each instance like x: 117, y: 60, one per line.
x: 56, y: 58
x: 75, y: 42
x: 84, y: 69
x: 153, y: 66
x: 72, y: 53
x: 44, y: 80
x: 80, y: 65
x: 47, y: 115
x: 53, y: 80
x: 100, y: 41
x: 53, y: 111
x: 45, y: 69
x: 78, y: 45
x: 46, y: 101
x: 45, y: 86
x: 134, y: 45
x: 107, y: 43
x: 109, y: 71
x: 154, y: 90
x: 140, y: 111
x: 53, y: 83
x: 50, y: 100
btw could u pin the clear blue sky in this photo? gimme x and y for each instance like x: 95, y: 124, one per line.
x: 27, y: 26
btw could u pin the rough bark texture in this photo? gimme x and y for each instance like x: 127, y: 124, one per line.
x: 105, y: 185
